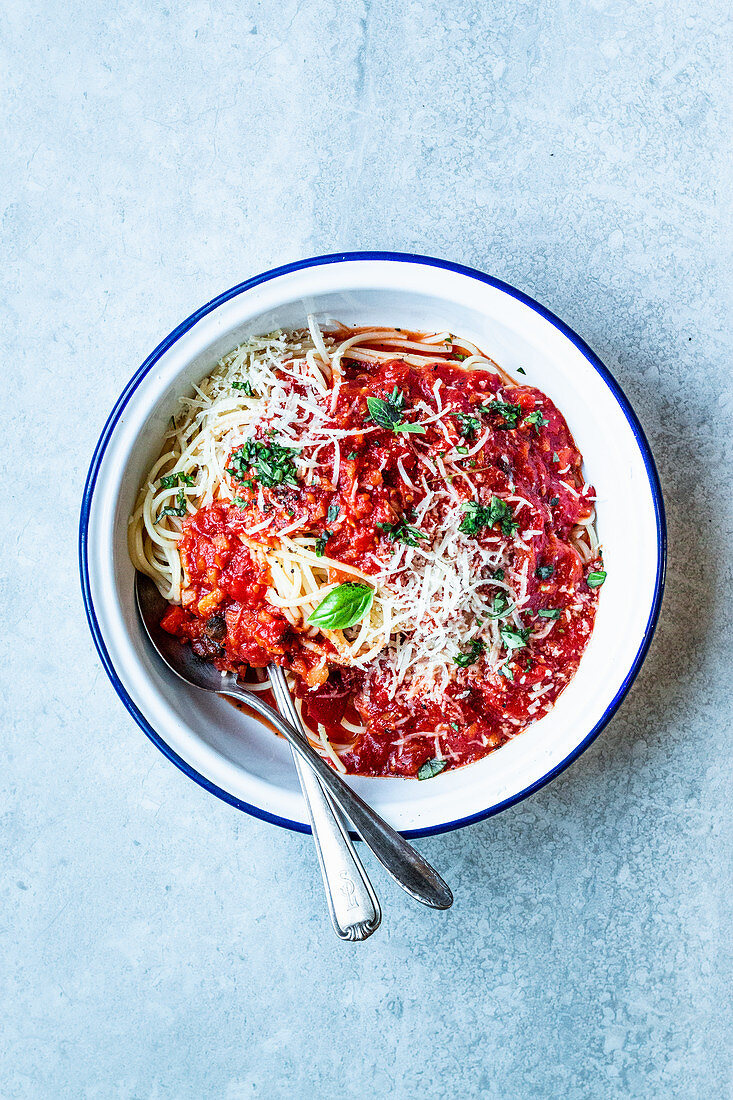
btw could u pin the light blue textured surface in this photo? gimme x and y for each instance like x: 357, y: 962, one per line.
x: 155, y: 942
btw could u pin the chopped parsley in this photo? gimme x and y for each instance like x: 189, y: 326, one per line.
x: 471, y: 656
x: 544, y: 571
x: 245, y: 387
x: 537, y: 419
x: 333, y: 511
x: 554, y: 501
x: 351, y: 454
x: 270, y: 463
x: 555, y: 456
x: 549, y: 613
x: 509, y: 413
x: 513, y: 639
x: 481, y: 515
x: 505, y: 670
x: 459, y: 356
x: 462, y: 450
x: 180, y: 508
x: 596, y: 578
x: 240, y: 502
x: 171, y: 480
x: 388, y: 412
x: 521, y: 370
x: 431, y: 768
x: 498, y: 575
x: 402, y: 532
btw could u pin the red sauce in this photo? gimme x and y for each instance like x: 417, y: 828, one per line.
x: 227, y: 615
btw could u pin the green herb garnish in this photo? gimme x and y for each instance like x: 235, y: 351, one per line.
x: 171, y: 480
x: 431, y: 768
x: 509, y: 413
x: 596, y: 578
x: 544, y: 571
x: 321, y: 543
x: 537, y: 419
x: 180, y: 509
x: 463, y: 660
x: 469, y: 425
x: 555, y: 456
x: 549, y: 613
x: 270, y: 463
x: 506, y: 671
x: 240, y: 502
x: 388, y: 412
x: 513, y: 639
x: 554, y: 501
x: 245, y: 387
x: 498, y: 575
x: 333, y: 511
x: 480, y: 515
x: 343, y: 607
x: 351, y: 454
x: 499, y: 606
x: 521, y: 370
x: 402, y: 532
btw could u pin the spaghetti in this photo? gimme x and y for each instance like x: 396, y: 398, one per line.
x: 394, y: 520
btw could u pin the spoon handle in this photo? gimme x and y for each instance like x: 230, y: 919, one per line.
x: 352, y: 903
x: 406, y: 866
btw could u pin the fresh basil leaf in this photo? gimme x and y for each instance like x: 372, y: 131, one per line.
x: 499, y: 607
x: 180, y: 509
x: 463, y: 660
x: 245, y: 387
x: 387, y: 413
x: 431, y: 768
x: 481, y: 515
x: 343, y: 607
x: 321, y: 543
x: 537, y: 419
x: 468, y: 425
x: 544, y: 571
x: 596, y: 578
x: 513, y: 639
x: 270, y: 463
x: 402, y: 532
x: 171, y: 480
x: 509, y: 413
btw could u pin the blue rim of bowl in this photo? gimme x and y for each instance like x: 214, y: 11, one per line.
x: 396, y: 257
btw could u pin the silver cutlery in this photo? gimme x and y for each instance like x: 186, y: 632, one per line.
x: 407, y: 867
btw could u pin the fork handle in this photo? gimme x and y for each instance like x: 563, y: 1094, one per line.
x: 352, y: 903
x: 407, y: 867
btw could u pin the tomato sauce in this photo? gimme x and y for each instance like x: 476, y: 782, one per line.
x: 227, y: 617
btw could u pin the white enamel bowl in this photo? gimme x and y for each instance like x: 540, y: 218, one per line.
x: 231, y: 755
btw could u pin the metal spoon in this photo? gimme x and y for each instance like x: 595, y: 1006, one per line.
x: 406, y: 866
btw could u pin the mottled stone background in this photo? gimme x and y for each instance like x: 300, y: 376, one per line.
x: 157, y: 943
